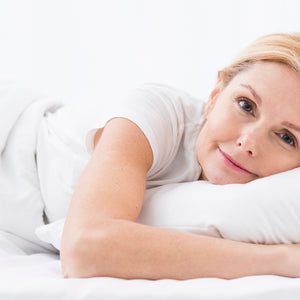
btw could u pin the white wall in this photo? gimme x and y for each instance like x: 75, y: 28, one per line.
x: 93, y: 50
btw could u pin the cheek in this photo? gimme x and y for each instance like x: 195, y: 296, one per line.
x: 209, y: 137
x: 219, y: 126
x: 280, y: 162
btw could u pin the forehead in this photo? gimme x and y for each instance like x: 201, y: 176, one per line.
x: 270, y: 80
x: 276, y: 85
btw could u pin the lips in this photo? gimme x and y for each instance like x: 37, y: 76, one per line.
x: 232, y: 164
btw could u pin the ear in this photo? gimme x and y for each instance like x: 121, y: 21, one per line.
x: 213, y: 97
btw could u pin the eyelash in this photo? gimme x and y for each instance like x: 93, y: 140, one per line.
x: 252, y: 106
x: 248, y: 102
x: 291, y: 137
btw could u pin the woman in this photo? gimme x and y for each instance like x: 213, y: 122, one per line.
x: 251, y: 130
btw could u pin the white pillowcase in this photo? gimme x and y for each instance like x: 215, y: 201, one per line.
x: 264, y: 211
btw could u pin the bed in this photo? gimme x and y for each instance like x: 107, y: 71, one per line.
x: 30, y: 272
x: 30, y: 265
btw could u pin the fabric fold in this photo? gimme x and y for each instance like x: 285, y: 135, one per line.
x: 22, y: 207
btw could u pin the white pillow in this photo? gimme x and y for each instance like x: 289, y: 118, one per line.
x: 264, y: 211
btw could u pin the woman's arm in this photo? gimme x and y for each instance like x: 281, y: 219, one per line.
x: 125, y: 249
x: 112, y: 186
x: 101, y: 237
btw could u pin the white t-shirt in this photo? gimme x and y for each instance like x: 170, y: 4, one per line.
x: 171, y: 120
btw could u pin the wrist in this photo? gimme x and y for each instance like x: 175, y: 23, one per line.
x: 276, y: 259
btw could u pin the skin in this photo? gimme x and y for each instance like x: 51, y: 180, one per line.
x: 258, y: 134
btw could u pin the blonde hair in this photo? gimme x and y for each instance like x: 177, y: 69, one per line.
x: 279, y: 47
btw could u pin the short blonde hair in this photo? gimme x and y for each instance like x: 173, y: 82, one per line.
x: 279, y: 47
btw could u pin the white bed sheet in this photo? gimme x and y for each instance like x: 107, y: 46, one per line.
x: 30, y: 272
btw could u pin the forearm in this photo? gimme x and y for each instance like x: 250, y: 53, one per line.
x: 129, y: 250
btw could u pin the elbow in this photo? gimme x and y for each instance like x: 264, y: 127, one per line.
x: 84, y: 256
x: 70, y: 265
x: 70, y: 258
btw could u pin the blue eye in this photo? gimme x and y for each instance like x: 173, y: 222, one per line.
x: 246, y: 105
x: 287, y: 138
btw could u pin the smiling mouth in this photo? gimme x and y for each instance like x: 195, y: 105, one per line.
x: 230, y: 163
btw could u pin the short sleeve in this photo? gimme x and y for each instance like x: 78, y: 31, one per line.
x: 157, y: 110
x: 89, y: 140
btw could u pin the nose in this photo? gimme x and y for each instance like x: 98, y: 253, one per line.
x: 250, y: 140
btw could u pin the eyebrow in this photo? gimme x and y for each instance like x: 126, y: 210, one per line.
x: 290, y: 125
x: 253, y: 92
x: 258, y: 98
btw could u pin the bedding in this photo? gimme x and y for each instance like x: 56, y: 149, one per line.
x: 22, y: 207
x: 29, y: 247
x: 27, y: 273
x: 264, y: 211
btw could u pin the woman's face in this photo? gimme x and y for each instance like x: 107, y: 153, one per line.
x: 252, y: 127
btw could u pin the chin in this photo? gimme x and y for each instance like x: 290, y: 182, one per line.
x: 221, y: 179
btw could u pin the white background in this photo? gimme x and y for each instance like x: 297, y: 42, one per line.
x: 94, y: 50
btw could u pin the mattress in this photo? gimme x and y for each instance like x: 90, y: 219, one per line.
x: 28, y: 271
